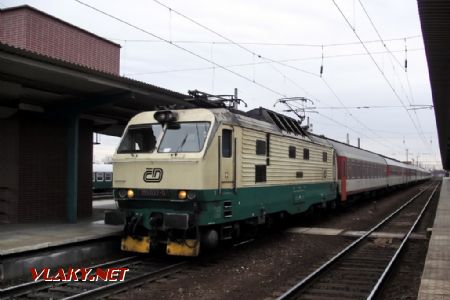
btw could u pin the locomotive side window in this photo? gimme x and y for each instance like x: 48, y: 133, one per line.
x: 261, y: 147
x: 292, y: 152
x: 260, y: 173
x: 99, y: 176
x: 306, y: 154
x: 108, y: 177
x: 140, y: 139
x: 227, y: 147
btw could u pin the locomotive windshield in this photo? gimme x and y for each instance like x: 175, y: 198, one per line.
x: 140, y: 139
x: 184, y: 137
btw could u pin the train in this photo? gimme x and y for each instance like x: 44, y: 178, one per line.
x: 102, y: 177
x: 188, y: 179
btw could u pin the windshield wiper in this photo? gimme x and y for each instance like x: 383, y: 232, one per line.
x: 182, y: 144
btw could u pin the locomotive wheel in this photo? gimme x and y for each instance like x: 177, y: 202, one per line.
x: 331, y: 205
x: 209, y: 239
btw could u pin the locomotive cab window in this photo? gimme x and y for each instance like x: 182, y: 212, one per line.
x: 227, y: 143
x: 292, y: 152
x: 306, y: 154
x: 140, y: 139
x: 261, y: 147
x: 184, y: 137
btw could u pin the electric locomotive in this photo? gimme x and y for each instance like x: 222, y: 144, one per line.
x: 190, y: 178
x: 187, y: 179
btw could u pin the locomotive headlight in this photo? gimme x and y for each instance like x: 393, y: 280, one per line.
x: 165, y: 116
x: 161, y: 118
x: 130, y: 194
x: 182, y: 195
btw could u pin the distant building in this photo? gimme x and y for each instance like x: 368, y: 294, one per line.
x: 27, y: 28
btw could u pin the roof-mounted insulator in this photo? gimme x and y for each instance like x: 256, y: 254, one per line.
x: 321, y: 64
x: 406, y: 57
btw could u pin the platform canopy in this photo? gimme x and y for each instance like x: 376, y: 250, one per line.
x: 33, y: 82
x: 435, y: 21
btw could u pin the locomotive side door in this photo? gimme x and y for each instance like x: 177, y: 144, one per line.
x: 227, y: 158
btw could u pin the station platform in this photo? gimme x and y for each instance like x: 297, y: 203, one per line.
x: 435, y: 282
x: 19, y: 238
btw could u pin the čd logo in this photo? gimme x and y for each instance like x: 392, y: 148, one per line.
x: 153, y: 175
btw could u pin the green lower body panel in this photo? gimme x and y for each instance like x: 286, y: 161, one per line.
x: 211, y: 207
x: 256, y: 201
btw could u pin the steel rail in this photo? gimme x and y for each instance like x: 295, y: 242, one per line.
x: 324, y: 266
x: 23, y: 287
x: 119, y: 286
x: 126, y: 283
x: 405, y: 239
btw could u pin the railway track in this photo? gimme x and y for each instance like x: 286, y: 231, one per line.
x: 140, y: 270
x: 358, y: 271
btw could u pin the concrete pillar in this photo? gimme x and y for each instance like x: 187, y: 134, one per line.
x: 72, y: 169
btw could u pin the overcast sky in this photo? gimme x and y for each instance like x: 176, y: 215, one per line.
x: 280, y: 54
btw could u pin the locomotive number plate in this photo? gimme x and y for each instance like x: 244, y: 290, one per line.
x: 158, y: 194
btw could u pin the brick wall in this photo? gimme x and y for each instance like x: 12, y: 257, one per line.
x: 33, y: 177
x: 9, y: 173
x: 30, y: 29
x: 42, y: 170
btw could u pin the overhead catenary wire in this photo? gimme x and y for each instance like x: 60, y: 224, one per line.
x: 182, y: 48
x: 187, y: 50
x: 226, y: 38
x: 378, y: 67
x: 411, y: 107
x: 253, y: 53
x: 330, y: 45
x: 352, y: 115
x: 271, y: 60
x: 359, y: 133
x: 398, y: 62
x: 253, y: 63
x: 389, y: 52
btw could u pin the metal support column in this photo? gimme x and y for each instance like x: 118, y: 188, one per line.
x: 72, y: 169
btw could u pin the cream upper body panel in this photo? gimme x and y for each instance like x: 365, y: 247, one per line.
x: 159, y: 169
x: 282, y: 169
x: 199, y: 170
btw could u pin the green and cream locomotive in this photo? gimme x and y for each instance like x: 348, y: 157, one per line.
x: 187, y: 179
